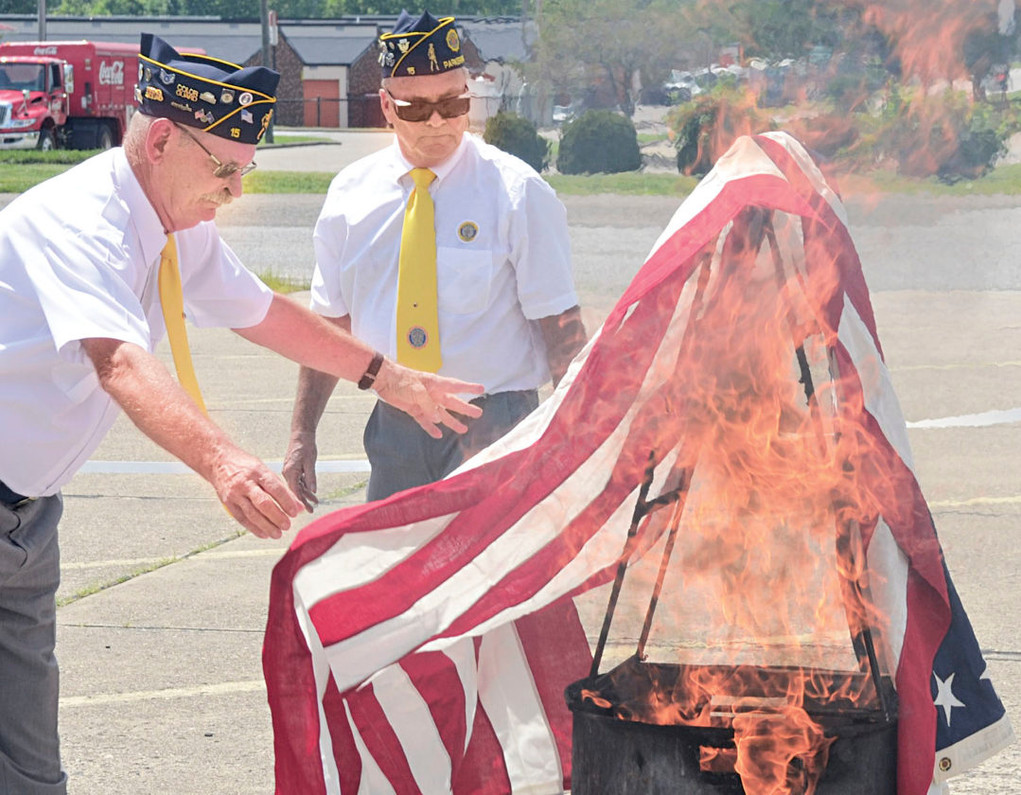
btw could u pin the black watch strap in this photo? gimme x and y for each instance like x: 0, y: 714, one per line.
x: 371, y: 371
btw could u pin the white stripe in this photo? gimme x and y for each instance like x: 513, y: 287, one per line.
x: 981, y: 420
x: 178, y: 468
x: 811, y: 170
x: 880, y: 399
x: 887, y: 568
x: 507, y: 693
x: 360, y: 558
x: 372, y: 780
x: 409, y: 717
x: 462, y: 655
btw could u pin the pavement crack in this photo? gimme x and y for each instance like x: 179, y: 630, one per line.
x: 155, y: 565
x: 161, y: 628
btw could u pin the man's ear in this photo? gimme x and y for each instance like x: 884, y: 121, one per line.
x: 384, y: 104
x: 157, y: 140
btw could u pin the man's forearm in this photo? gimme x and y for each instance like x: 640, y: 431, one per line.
x: 156, y: 403
x: 310, y: 340
x: 162, y: 410
x: 564, y: 335
x: 314, y: 390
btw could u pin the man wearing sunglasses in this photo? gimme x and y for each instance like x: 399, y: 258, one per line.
x: 95, y: 266
x: 502, y: 309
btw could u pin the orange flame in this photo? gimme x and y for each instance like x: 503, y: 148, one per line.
x: 768, y: 562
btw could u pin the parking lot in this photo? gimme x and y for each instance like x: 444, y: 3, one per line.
x: 164, y: 602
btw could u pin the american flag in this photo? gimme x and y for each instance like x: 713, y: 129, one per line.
x: 422, y: 643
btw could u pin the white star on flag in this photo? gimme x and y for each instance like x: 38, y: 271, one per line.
x: 945, y: 697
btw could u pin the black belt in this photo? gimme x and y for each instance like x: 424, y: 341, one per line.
x: 481, y: 399
x: 11, y: 498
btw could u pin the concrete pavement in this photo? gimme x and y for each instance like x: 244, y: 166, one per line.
x: 164, y: 602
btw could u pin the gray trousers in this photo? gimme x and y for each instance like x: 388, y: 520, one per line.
x: 29, y: 576
x: 402, y: 455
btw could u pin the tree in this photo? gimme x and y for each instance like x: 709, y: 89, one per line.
x: 616, y: 44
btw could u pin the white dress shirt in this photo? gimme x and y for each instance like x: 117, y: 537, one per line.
x: 79, y: 258
x: 503, y: 259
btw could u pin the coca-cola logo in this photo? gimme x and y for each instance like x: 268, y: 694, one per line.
x: 45, y: 51
x: 111, y: 74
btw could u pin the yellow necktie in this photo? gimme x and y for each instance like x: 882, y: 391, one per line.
x: 172, y: 301
x: 418, y: 324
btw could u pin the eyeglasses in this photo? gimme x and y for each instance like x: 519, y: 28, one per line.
x: 420, y: 110
x: 222, y: 170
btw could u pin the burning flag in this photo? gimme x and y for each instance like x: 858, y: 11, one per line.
x: 423, y: 643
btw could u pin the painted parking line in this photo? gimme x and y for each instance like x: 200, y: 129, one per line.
x: 981, y: 420
x: 199, y: 691
x: 976, y: 502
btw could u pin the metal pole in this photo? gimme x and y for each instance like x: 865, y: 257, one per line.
x: 264, y: 17
x: 42, y: 19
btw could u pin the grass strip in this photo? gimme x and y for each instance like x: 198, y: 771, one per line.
x: 288, y: 182
x: 284, y: 284
x: 21, y: 170
x: 629, y: 183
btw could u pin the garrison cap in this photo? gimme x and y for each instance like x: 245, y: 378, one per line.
x: 216, y: 96
x: 420, y: 46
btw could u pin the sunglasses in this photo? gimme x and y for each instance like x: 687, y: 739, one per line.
x: 222, y: 170
x: 420, y: 110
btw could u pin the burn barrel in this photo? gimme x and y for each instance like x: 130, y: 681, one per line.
x: 616, y: 751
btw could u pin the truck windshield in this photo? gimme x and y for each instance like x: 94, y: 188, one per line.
x: 21, y: 76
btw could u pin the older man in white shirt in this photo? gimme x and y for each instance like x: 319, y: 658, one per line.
x: 500, y: 308
x: 94, y: 266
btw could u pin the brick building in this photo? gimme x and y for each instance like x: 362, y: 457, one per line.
x: 329, y: 75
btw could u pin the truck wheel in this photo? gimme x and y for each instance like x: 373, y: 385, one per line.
x: 46, y: 140
x: 104, y: 137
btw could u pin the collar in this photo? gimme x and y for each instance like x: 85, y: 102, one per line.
x: 402, y: 166
x: 143, y: 215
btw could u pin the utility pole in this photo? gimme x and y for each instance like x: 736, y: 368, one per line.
x: 42, y: 20
x: 266, y: 59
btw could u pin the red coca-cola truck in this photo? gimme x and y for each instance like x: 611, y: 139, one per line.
x: 73, y: 94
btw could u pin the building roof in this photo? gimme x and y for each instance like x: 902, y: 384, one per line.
x: 318, y: 42
x: 232, y: 41
x: 329, y: 44
x: 501, y: 39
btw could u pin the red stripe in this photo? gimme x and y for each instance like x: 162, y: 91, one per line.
x: 380, y: 739
x: 291, y: 691
x: 556, y: 665
x: 928, y: 621
x: 437, y: 681
x: 345, y: 752
x: 482, y: 770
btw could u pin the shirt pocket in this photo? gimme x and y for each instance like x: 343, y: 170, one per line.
x: 463, y: 279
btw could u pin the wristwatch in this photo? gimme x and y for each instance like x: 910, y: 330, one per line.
x: 369, y: 378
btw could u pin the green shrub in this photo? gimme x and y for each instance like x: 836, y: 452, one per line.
x: 517, y: 135
x: 599, y: 141
x: 705, y: 128
x: 944, y: 135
